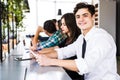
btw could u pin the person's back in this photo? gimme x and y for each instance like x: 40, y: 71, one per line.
x: 53, y: 40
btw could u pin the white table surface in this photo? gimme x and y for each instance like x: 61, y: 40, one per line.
x: 36, y: 72
x: 11, y: 69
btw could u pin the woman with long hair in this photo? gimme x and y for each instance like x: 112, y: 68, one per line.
x: 68, y: 27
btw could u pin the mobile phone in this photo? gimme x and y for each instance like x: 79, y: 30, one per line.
x: 21, y: 59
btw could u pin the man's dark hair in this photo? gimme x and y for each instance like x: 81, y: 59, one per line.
x: 49, y: 26
x: 54, y: 20
x: 81, y: 5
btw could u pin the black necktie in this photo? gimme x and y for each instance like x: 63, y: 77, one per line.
x: 83, y: 48
x: 83, y: 54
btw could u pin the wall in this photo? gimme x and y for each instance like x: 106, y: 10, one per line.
x: 107, y: 16
x: 42, y: 10
x: 110, y: 19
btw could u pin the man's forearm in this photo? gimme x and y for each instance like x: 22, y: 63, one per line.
x: 68, y: 64
x: 52, y: 54
x: 35, y: 39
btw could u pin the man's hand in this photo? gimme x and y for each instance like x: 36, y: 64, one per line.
x: 34, y: 47
x: 43, y: 60
x: 40, y: 29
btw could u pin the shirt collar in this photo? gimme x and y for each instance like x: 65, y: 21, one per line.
x: 89, y: 34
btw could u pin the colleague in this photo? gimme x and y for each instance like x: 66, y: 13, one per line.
x: 99, y: 60
x: 43, y: 38
x: 55, y: 36
x: 69, y: 27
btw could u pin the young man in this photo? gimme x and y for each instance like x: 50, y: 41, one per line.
x: 99, y: 60
x: 55, y: 36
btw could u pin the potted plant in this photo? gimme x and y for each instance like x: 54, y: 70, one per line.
x: 12, y: 12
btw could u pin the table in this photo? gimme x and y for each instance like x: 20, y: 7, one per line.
x: 29, y: 69
x: 36, y: 72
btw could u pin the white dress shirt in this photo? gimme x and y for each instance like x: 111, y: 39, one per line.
x: 100, y: 56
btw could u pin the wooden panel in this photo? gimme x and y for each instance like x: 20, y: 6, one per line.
x: 96, y: 14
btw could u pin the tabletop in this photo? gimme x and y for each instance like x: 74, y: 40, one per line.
x: 12, y: 69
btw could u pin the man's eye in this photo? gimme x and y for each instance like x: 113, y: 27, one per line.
x: 77, y: 17
x: 85, y: 15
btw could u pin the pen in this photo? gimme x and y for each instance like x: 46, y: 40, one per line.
x: 20, y: 59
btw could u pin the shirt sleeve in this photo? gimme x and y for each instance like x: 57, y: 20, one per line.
x: 60, y: 56
x: 96, y: 54
x: 82, y: 68
x: 66, y: 52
